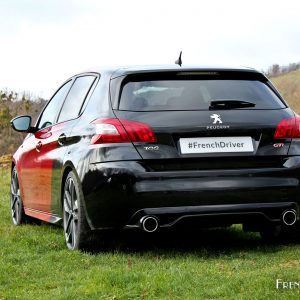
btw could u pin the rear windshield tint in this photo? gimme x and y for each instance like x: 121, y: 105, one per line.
x: 160, y: 95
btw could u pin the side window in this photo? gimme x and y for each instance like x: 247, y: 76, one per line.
x: 50, y: 113
x: 88, y: 97
x: 75, y: 98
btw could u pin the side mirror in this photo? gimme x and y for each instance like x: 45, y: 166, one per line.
x: 22, y: 124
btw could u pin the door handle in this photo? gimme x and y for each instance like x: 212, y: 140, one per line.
x: 38, y: 146
x: 62, y: 139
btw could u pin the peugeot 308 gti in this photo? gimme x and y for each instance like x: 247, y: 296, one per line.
x: 159, y: 147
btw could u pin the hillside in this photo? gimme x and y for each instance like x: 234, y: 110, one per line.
x: 289, y: 87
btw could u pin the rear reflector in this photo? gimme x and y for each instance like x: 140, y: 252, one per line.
x: 121, y: 131
x: 288, y: 128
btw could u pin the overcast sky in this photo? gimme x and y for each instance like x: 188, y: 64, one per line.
x: 43, y: 42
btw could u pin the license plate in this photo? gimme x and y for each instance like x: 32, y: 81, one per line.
x: 216, y: 144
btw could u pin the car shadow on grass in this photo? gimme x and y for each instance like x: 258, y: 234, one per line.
x: 205, y: 242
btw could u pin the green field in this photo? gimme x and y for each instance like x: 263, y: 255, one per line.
x: 212, y: 264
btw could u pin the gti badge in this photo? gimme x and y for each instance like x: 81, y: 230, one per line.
x: 217, y: 118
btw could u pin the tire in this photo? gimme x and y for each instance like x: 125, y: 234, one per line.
x: 281, y: 234
x: 271, y: 234
x: 76, y: 229
x: 291, y: 233
x: 16, y: 203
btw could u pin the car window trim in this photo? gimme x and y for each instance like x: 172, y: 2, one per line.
x: 85, y: 98
x: 88, y: 96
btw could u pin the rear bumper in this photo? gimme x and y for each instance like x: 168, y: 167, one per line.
x: 119, y: 194
x: 259, y: 214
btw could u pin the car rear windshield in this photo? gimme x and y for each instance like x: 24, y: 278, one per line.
x: 199, y: 94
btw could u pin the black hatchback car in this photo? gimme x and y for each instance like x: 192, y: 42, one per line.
x: 160, y: 147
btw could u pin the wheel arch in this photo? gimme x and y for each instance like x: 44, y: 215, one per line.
x: 69, y: 167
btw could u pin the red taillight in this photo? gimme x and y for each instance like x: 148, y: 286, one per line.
x: 139, y: 132
x: 121, y: 131
x: 288, y: 128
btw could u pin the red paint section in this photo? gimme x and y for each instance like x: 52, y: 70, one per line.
x: 28, y: 165
x: 35, y: 168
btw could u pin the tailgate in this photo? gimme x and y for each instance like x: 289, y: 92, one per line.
x: 183, y: 134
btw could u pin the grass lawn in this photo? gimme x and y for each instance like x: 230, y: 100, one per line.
x: 211, y: 264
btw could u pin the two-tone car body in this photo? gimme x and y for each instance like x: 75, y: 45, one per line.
x: 157, y: 147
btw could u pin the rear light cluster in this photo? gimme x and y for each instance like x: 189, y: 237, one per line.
x: 288, y: 128
x: 121, y: 131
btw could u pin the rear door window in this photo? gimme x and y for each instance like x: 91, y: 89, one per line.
x: 76, y: 97
x: 157, y: 95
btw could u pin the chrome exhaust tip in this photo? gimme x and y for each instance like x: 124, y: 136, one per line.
x: 289, y: 217
x: 149, y: 223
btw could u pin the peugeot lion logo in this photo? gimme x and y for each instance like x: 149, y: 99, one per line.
x: 217, y: 119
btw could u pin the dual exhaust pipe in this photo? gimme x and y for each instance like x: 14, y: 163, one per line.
x: 149, y: 223
x: 289, y: 217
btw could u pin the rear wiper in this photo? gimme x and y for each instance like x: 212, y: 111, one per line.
x: 228, y: 104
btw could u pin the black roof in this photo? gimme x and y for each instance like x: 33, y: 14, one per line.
x: 121, y: 71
